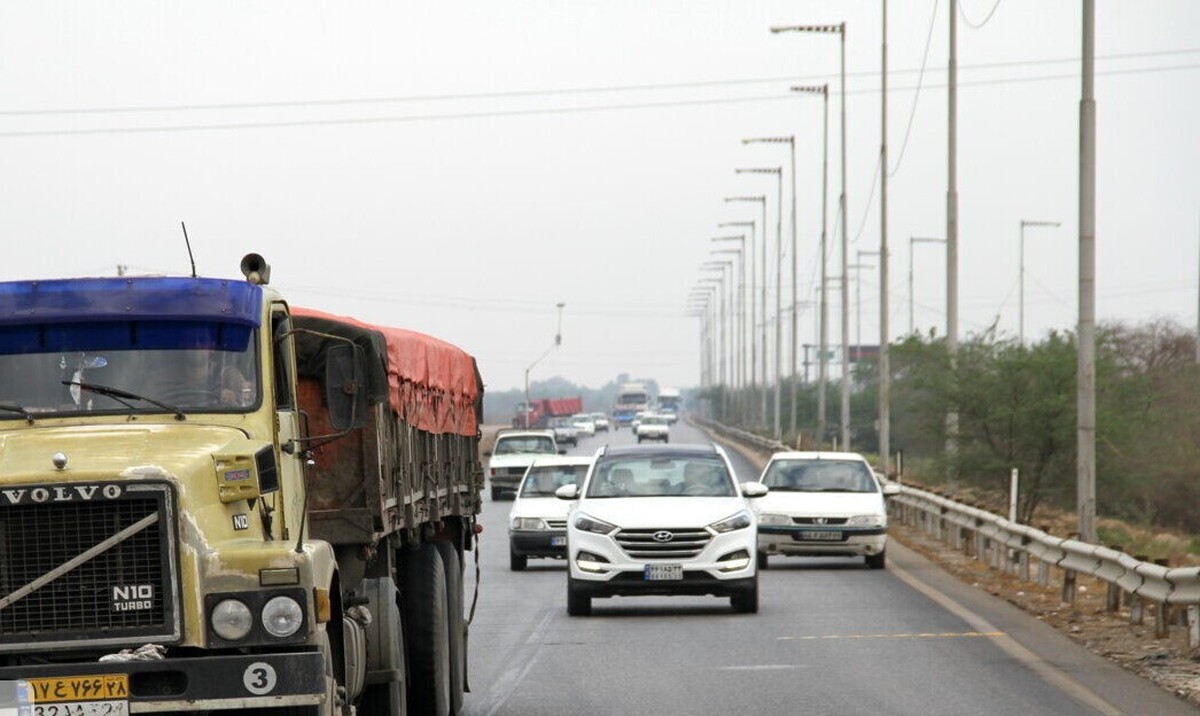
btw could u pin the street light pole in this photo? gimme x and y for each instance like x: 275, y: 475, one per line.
x: 791, y: 142
x: 1021, y: 312
x: 762, y: 200
x: 840, y: 30
x: 557, y: 343
x: 885, y: 371
x: 740, y: 307
x: 778, y: 173
x: 858, y: 304
x: 823, y: 320
x: 1085, y: 373
x: 912, y: 241
x: 753, y: 310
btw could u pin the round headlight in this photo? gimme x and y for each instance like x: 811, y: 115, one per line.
x: 282, y: 617
x: 231, y: 620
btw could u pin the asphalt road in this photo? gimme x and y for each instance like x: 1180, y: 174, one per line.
x: 831, y: 637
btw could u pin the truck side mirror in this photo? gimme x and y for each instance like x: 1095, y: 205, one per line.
x: 345, y: 386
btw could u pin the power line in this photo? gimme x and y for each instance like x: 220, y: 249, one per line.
x: 975, y: 26
x: 536, y: 112
x: 514, y: 94
x: 917, y: 97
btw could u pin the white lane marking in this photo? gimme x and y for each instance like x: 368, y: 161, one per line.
x: 523, y: 660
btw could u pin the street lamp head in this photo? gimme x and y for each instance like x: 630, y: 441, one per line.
x: 744, y: 198
x: 813, y: 89
x: 770, y: 140
x: 1028, y: 222
x: 741, y: 238
x: 760, y: 170
x: 735, y: 223
x: 839, y: 28
x: 727, y: 251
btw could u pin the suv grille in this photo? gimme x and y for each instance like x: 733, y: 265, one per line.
x: 684, y: 542
x: 122, y: 592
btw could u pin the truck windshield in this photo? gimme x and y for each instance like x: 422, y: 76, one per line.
x: 192, y: 379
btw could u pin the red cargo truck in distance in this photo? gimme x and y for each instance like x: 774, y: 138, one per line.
x: 541, y: 410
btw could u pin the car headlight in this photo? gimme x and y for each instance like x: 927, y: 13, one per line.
x: 590, y: 524
x: 770, y: 518
x: 528, y: 523
x: 231, y: 620
x: 740, y: 521
x: 282, y: 617
x: 867, y: 521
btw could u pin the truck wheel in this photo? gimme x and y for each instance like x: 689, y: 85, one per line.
x: 517, y: 562
x: 424, y: 602
x: 877, y: 561
x: 578, y: 605
x: 454, y: 597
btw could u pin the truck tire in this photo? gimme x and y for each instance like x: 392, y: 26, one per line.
x: 877, y: 561
x: 454, y: 600
x: 424, y: 605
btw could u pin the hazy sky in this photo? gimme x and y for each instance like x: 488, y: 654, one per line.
x: 459, y: 168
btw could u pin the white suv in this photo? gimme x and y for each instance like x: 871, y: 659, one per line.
x: 823, y: 503
x: 513, y: 453
x: 661, y: 520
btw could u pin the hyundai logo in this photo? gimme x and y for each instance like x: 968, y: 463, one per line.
x: 663, y: 536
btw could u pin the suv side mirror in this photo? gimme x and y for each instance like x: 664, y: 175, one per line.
x: 346, y: 386
x: 890, y: 489
x: 567, y: 492
x: 754, y: 489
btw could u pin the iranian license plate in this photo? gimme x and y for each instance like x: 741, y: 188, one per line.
x: 663, y: 572
x: 828, y: 536
x: 99, y: 695
x: 558, y: 541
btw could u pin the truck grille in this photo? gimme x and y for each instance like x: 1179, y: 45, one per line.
x: 121, y: 593
x: 683, y: 543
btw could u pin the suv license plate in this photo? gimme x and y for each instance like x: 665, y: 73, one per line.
x: 662, y: 572
x: 823, y: 536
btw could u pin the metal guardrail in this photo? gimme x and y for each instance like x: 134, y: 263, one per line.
x: 1014, y: 547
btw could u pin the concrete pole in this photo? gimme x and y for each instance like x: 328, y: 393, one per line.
x: 1086, y: 371
x: 885, y: 378
x: 778, y: 298
x: 762, y: 415
x: 952, y: 220
x: 845, y: 445
x: 823, y: 350
x: 795, y: 299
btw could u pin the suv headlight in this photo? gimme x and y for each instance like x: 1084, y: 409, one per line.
x: 770, y: 518
x: 867, y: 521
x: 231, y: 620
x: 528, y: 523
x: 282, y: 617
x: 740, y: 521
x: 590, y: 524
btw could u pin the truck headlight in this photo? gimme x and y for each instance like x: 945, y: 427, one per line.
x: 740, y: 521
x: 528, y: 523
x: 867, y: 521
x: 231, y: 620
x: 770, y: 518
x: 282, y: 617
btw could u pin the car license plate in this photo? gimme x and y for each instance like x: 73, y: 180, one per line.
x: 558, y: 541
x: 99, y: 695
x: 819, y: 536
x: 663, y: 572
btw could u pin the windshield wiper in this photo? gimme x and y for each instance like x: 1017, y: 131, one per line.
x: 118, y: 394
x: 18, y: 409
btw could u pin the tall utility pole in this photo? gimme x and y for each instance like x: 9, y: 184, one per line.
x: 739, y: 308
x: 858, y: 305
x: 1086, y: 370
x: 823, y: 303
x: 885, y: 377
x: 913, y: 241
x: 777, y: 172
x: 840, y: 30
x: 952, y: 220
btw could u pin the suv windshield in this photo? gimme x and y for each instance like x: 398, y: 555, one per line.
x: 129, y: 380
x: 819, y: 476
x: 543, y: 480
x: 661, y: 477
x: 525, y: 444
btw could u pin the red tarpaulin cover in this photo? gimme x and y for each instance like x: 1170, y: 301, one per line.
x: 431, y: 383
